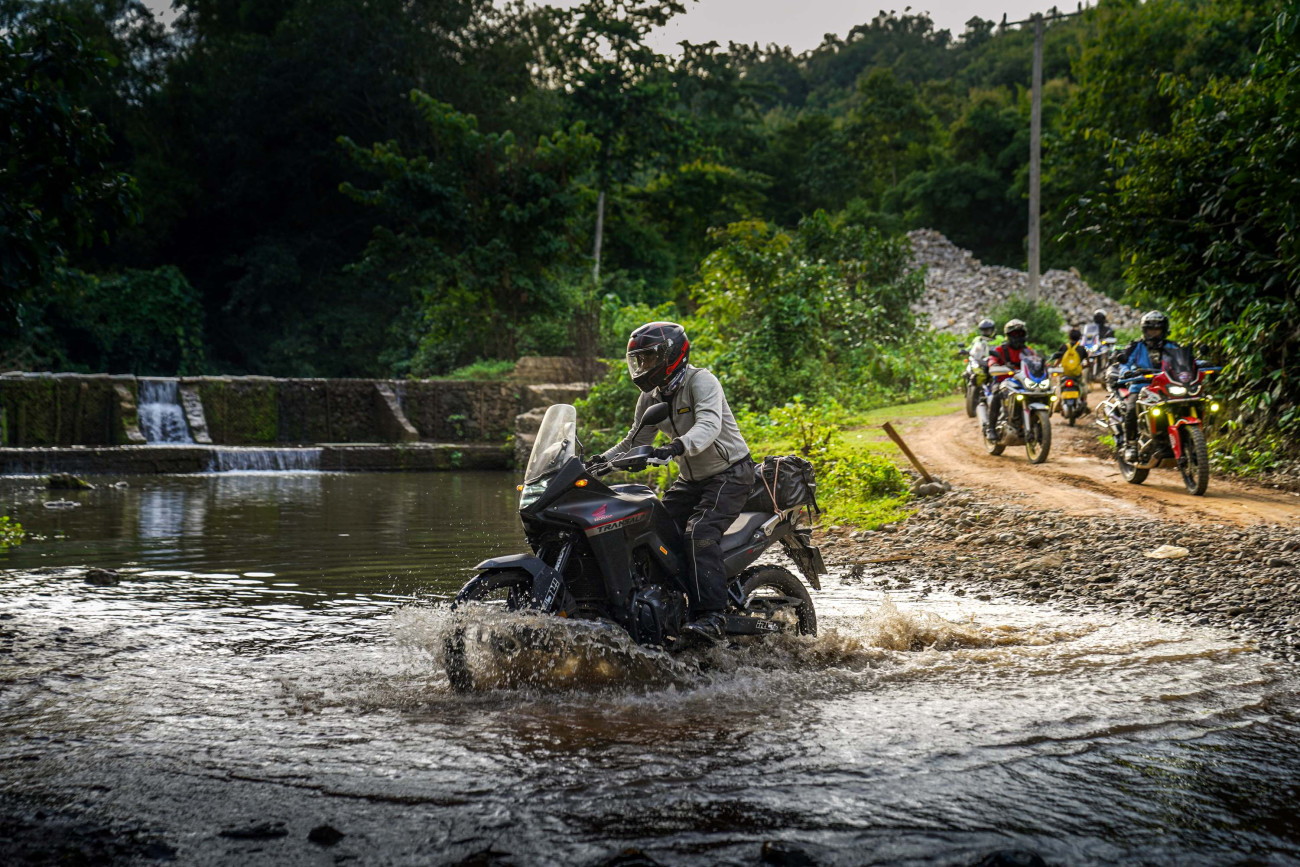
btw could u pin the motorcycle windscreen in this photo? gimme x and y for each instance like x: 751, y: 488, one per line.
x: 556, y: 443
x: 1180, y: 364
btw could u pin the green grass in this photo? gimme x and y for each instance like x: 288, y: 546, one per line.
x: 857, y: 476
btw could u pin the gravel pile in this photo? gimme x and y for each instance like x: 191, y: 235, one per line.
x: 959, y: 290
x: 1243, y: 578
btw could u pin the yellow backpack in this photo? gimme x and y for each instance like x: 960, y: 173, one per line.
x: 1072, y: 360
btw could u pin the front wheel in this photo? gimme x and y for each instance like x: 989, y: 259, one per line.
x: 1133, y: 475
x: 972, y: 398
x: 505, y: 588
x: 772, y: 590
x: 1196, y: 468
x: 1038, y: 439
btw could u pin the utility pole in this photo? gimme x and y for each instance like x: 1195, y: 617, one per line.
x: 1036, y: 141
x: 1035, y: 157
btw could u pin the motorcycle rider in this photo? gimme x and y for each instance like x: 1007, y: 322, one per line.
x: 1007, y: 354
x: 1074, y: 342
x: 716, y: 472
x: 1144, y: 354
x: 1103, y: 330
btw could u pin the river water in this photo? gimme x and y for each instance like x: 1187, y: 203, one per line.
x: 270, y: 664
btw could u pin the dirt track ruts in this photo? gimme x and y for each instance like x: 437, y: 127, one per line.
x: 1083, y: 484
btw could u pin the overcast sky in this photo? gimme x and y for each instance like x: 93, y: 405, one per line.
x: 801, y: 24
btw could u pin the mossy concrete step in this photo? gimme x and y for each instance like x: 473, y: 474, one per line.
x: 543, y: 396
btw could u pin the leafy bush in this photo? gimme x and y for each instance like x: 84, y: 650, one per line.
x: 861, y: 489
x: 141, y: 322
x: 811, y: 429
x: 11, y: 533
x: 1042, y: 320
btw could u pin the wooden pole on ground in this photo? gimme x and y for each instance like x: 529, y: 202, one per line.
x: 898, y: 441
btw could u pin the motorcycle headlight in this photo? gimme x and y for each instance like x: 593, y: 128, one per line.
x: 1177, y: 390
x: 531, y: 493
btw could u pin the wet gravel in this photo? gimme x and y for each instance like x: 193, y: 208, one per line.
x: 1243, y: 578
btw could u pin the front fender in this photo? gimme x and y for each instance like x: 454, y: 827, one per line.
x: 548, y: 590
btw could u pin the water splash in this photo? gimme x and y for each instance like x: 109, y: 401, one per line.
x: 507, y: 650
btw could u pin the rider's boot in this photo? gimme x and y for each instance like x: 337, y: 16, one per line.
x: 1131, y: 453
x: 710, y: 626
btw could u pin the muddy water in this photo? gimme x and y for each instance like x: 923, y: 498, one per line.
x: 205, y: 696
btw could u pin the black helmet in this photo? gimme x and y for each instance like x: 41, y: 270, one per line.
x: 1016, y: 333
x: 987, y: 327
x: 1155, y: 328
x: 1099, y: 316
x: 1075, y: 335
x: 656, y: 355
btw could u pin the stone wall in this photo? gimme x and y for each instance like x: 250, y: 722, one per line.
x: 65, y: 409
x: 99, y: 410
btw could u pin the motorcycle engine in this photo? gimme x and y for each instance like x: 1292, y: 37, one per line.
x: 657, y: 614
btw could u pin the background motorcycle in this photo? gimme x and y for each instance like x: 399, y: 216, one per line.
x: 973, y: 379
x: 1171, y: 406
x: 1026, y: 414
x: 611, y: 553
x: 1099, y: 353
x: 1070, y: 392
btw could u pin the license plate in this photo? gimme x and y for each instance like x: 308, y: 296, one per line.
x: 1066, y: 394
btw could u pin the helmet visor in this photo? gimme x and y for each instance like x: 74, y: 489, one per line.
x: 642, y: 361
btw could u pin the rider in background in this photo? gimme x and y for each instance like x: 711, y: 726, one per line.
x: 716, y: 472
x: 1007, y: 354
x: 1072, y: 367
x: 983, y: 344
x: 1103, y: 330
x: 1140, y: 355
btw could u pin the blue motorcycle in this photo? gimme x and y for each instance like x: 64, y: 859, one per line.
x: 1026, y: 409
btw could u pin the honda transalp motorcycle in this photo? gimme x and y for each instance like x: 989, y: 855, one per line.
x: 1026, y: 409
x: 1171, y: 405
x: 611, y: 553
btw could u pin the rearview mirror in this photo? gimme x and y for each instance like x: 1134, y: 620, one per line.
x: 653, y: 416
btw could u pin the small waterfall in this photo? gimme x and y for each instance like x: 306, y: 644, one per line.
x: 162, y: 420
x: 227, y: 459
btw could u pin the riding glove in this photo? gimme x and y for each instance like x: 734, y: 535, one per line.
x: 672, y: 450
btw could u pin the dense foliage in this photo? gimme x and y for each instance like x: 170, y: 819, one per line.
x: 256, y: 189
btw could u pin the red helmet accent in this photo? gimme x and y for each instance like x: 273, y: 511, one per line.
x: 686, y: 347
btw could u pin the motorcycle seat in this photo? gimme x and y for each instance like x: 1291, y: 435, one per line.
x: 742, y: 530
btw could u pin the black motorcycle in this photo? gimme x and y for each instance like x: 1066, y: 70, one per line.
x: 611, y: 553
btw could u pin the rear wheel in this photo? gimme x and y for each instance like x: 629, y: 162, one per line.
x: 504, y: 588
x: 1038, y: 439
x: 772, y: 590
x: 991, y: 446
x: 1196, y: 470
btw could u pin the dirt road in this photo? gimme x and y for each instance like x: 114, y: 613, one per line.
x: 1084, y: 484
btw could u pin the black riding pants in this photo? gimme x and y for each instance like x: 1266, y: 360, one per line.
x: 1131, y: 416
x: 703, y: 510
x: 995, y: 406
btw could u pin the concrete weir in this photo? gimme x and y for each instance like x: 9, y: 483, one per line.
x: 123, y: 424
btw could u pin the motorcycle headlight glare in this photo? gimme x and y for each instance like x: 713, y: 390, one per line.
x: 1155, y: 411
x: 1214, y: 407
x: 1177, y: 390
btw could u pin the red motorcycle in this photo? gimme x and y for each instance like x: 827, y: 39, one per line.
x: 1171, y: 406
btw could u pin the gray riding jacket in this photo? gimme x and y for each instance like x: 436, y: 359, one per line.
x: 700, y: 418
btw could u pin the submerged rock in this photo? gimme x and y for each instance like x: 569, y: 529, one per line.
x: 102, y: 577
x: 787, y: 854
x: 62, y: 504
x: 325, y: 835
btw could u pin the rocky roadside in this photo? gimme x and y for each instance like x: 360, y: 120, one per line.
x: 960, y: 289
x: 1244, y: 578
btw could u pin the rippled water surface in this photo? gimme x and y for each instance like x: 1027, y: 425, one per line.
x: 257, y: 666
